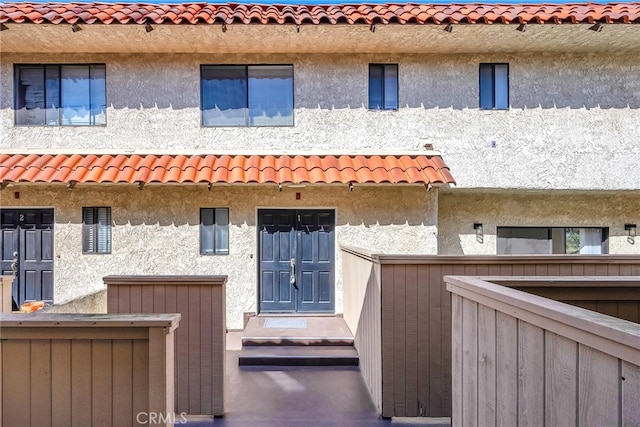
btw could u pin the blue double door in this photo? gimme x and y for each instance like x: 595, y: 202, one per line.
x: 26, y: 248
x: 297, y: 260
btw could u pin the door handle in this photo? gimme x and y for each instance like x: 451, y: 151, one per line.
x: 14, y: 263
x: 292, y: 278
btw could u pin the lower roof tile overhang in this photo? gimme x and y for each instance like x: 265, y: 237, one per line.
x: 224, y: 169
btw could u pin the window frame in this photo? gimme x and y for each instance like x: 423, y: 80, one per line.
x: 604, y: 244
x: 16, y: 77
x: 397, y: 88
x: 214, y: 226
x: 492, y: 66
x: 95, y: 250
x: 247, y: 116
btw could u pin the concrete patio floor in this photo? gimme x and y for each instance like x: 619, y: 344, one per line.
x: 304, y: 396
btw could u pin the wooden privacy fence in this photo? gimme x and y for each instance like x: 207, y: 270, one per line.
x: 200, y: 341
x: 520, y: 359
x: 6, y: 283
x: 400, y: 314
x: 86, y: 369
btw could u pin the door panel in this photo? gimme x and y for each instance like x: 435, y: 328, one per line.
x: 28, y: 233
x: 308, y: 237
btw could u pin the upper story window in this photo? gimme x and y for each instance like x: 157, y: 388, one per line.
x: 60, y: 95
x: 96, y: 230
x: 494, y: 86
x: 247, y: 95
x: 383, y: 86
x: 552, y: 240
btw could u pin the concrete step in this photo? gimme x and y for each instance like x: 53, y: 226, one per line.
x: 298, y: 355
x: 298, y: 341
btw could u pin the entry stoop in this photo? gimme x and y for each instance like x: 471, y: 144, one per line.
x: 297, y: 341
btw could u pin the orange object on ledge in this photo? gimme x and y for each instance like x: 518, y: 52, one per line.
x: 29, y: 307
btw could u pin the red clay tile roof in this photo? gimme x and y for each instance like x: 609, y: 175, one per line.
x: 390, y: 13
x: 51, y: 168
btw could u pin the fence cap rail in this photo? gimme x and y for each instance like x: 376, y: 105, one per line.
x: 70, y: 320
x: 585, y: 326
x: 170, y: 280
x: 566, y: 281
x: 383, y: 258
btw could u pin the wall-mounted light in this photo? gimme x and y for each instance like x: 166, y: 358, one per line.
x: 148, y: 28
x: 140, y: 185
x: 297, y: 28
x: 3, y: 27
x: 522, y: 28
x: 224, y: 27
x: 75, y: 28
x: 448, y: 28
x: 632, y: 229
x: 71, y: 185
x: 280, y: 187
x: 372, y: 28
x: 351, y: 186
x: 597, y: 27
x: 209, y: 185
x: 429, y: 187
x: 479, y: 232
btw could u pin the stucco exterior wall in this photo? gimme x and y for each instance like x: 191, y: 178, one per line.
x: 574, y: 120
x: 156, y: 230
x: 458, y: 211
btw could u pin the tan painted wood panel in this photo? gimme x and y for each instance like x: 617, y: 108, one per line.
x: 61, y: 382
x: 629, y: 310
x: 388, y: 349
x: 41, y: 381
x: 530, y: 380
x: 16, y: 361
x: 81, y: 382
x: 112, y: 301
x: 206, y: 350
x: 399, y: 339
x: 411, y: 347
x: 140, y: 364
x: 630, y: 394
x: 135, y: 298
x: 439, y: 344
x: 124, y: 299
x: 219, y: 343
x: 598, y: 395
x: 122, y: 393
x: 193, y: 323
x: 486, y: 366
x: 182, y: 353
x: 457, y: 349
x: 147, y: 299
x: 423, y: 365
x: 507, y: 368
x: 469, y: 362
x: 561, y: 394
x: 102, y: 382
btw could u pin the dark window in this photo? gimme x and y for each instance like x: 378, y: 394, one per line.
x: 552, y: 240
x: 214, y: 231
x: 96, y: 230
x: 56, y: 95
x: 247, y: 95
x: 494, y: 86
x: 383, y: 86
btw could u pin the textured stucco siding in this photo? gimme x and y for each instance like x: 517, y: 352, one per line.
x: 458, y: 211
x: 574, y: 121
x: 156, y: 230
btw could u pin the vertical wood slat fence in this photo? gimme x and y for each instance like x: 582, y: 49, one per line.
x: 520, y: 359
x: 86, y: 369
x: 201, y: 338
x: 6, y: 283
x: 400, y: 314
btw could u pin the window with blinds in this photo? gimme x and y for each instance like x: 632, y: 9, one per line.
x: 214, y: 231
x: 96, y: 230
